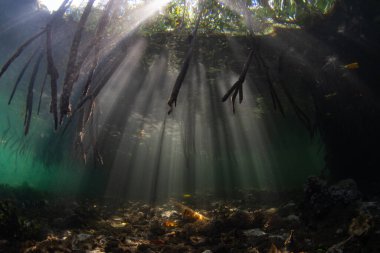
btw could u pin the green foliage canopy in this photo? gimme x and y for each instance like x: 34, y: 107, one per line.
x: 219, y: 16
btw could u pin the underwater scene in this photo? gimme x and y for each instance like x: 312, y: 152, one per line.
x: 202, y: 126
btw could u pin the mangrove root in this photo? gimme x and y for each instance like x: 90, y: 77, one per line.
x: 21, y: 75
x: 29, y: 99
x: 72, y: 67
x: 237, y: 88
x: 42, y: 91
x: 19, y: 51
x: 185, y: 66
x: 301, y: 115
x: 53, y: 73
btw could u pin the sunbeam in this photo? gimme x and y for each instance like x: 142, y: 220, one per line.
x: 275, y: 133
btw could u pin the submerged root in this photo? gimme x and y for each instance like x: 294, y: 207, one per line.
x: 237, y: 88
x: 185, y: 65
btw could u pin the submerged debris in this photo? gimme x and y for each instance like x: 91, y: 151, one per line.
x: 35, y: 222
x: 190, y: 214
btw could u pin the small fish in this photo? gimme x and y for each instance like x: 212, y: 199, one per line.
x: 351, y: 66
x: 186, y: 195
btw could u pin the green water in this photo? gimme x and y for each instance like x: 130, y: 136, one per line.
x: 201, y: 147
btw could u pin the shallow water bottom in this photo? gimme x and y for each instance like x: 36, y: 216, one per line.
x: 258, y: 221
